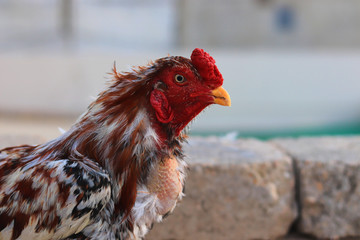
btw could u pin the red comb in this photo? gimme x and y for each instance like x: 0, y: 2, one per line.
x: 205, y: 65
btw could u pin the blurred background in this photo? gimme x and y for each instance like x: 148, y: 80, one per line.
x: 291, y: 67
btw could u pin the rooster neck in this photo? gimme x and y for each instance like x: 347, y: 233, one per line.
x: 116, y: 133
x: 167, y: 135
x: 125, y: 145
x: 115, y: 143
x: 119, y: 133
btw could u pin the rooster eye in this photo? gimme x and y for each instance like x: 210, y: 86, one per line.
x: 179, y: 78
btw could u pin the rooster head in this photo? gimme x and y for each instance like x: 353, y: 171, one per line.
x: 184, y: 87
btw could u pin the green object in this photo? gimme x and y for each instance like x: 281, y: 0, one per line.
x: 332, y: 130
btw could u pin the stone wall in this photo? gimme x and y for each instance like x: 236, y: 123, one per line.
x: 237, y: 188
x: 251, y: 189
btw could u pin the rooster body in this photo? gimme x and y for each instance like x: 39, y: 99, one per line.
x: 120, y: 168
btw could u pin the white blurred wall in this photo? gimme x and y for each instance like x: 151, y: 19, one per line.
x: 268, y: 90
x: 287, y: 64
x: 270, y: 23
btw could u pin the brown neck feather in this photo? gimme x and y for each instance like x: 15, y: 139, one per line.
x: 116, y: 133
x: 120, y: 133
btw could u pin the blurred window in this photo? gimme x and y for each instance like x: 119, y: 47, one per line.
x: 85, y: 24
x: 285, y: 18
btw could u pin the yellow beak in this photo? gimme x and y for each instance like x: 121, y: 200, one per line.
x: 221, y: 97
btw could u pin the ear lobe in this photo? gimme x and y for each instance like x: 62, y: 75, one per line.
x: 161, y: 105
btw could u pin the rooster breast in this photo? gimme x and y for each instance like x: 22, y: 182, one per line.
x: 166, y: 184
x: 159, y: 196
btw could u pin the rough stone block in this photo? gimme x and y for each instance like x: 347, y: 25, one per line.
x: 328, y: 172
x: 240, y: 189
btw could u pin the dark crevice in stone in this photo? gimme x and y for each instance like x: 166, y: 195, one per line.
x: 297, y: 178
x: 294, y: 227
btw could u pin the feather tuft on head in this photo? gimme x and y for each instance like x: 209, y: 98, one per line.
x: 205, y: 65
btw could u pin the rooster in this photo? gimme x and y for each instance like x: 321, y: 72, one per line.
x: 120, y: 167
